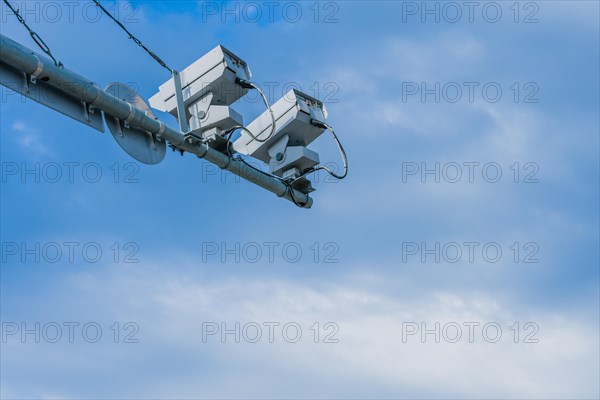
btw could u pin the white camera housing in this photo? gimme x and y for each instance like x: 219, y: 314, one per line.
x: 209, y: 87
x: 286, y: 149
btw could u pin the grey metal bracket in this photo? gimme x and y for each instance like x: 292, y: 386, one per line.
x: 181, y: 111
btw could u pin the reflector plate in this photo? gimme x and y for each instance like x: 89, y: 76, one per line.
x: 139, y: 144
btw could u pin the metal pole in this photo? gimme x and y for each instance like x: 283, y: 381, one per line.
x: 74, y: 85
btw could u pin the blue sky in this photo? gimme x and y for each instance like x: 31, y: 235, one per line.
x: 362, y: 58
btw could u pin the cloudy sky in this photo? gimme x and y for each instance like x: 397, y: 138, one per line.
x: 459, y: 259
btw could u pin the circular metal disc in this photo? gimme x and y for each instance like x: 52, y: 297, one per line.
x: 139, y: 144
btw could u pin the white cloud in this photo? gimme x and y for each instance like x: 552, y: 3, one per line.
x: 370, y: 358
x: 28, y: 139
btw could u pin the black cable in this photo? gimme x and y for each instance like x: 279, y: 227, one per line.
x: 249, y: 85
x: 342, y: 152
x: 323, y: 167
x: 293, y: 197
x: 289, y: 187
x: 136, y: 40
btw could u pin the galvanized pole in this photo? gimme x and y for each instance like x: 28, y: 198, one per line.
x: 82, y: 89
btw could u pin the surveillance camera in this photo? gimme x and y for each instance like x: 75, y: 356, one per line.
x: 209, y: 86
x: 295, y: 128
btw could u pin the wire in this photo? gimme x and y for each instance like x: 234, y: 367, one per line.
x: 323, y: 167
x: 289, y: 188
x: 293, y: 196
x: 36, y: 38
x: 289, y: 185
x: 249, y: 85
x: 342, y: 152
x: 229, y: 133
x: 136, y: 40
x: 262, y: 94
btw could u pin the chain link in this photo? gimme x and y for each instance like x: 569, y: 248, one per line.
x: 36, y: 38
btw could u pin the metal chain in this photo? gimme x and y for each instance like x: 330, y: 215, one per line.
x: 136, y: 40
x: 36, y: 38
